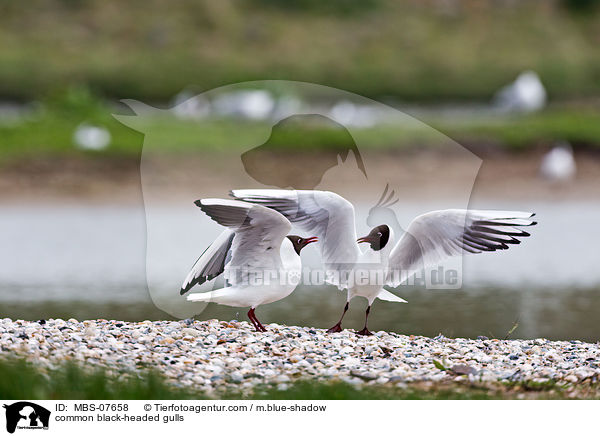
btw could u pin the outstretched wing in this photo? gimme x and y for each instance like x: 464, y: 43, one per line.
x: 324, y: 214
x: 211, y: 263
x: 258, y: 234
x: 437, y: 235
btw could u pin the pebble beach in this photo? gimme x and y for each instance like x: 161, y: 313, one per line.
x: 215, y: 355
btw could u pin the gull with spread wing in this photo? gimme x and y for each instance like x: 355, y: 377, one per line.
x: 430, y: 238
x: 258, y: 259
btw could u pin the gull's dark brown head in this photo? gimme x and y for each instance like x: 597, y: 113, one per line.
x: 299, y: 242
x: 377, y: 238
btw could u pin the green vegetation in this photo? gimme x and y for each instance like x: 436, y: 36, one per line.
x: 71, y: 59
x: 580, y: 126
x: 21, y: 379
x: 343, y: 391
x: 412, y: 50
x: 47, y: 132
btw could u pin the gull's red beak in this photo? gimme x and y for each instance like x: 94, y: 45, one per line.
x: 363, y: 239
x: 311, y: 240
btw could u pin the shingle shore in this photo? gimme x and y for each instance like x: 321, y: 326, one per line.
x: 214, y: 355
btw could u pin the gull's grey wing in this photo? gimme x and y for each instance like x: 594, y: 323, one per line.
x: 324, y: 214
x: 437, y: 235
x: 211, y: 263
x: 258, y: 234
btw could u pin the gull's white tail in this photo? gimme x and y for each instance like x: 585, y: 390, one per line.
x: 388, y: 296
x: 228, y: 296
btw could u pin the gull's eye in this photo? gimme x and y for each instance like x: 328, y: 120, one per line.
x: 378, y: 233
x: 299, y: 240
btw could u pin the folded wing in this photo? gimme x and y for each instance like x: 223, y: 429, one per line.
x: 437, y: 235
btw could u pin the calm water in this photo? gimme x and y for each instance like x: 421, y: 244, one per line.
x: 90, y: 262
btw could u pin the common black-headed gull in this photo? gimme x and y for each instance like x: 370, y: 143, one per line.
x: 430, y: 238
x: 525, y: 94
x: 558, y: 165
x: 259, y: 260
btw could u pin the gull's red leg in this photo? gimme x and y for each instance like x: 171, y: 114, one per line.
x: 253, y: 319
x: 262, y: 327
x: 365, y: 331
x: 338, y: 327
x: 257, y: 325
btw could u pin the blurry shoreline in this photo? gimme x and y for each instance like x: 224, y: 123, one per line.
x: 414, y: 175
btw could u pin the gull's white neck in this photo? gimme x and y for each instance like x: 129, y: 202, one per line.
x: 382, y: 256
x: 289, y: 258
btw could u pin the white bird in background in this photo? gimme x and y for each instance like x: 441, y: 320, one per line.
x: 188, y: 106
x: 525, y: 94
x: 90, y: 137
x: 259, y: 262
x: 430, y: 238
x: 253, y: 104
x: 558, y: 165
x: 348, y: 113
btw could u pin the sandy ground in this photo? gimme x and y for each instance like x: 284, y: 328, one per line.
x: 425, y: 175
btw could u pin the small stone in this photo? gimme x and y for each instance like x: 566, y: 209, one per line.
x: 363, y: 375
x: 463, y: 369
x: 90, y: 331
x: 282, y: 378
x: 571, y: 378
x: 236, y: 377
x: 190, y: 332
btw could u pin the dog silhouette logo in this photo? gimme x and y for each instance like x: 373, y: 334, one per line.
x: 270, y: 164
x: 26, y: 415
